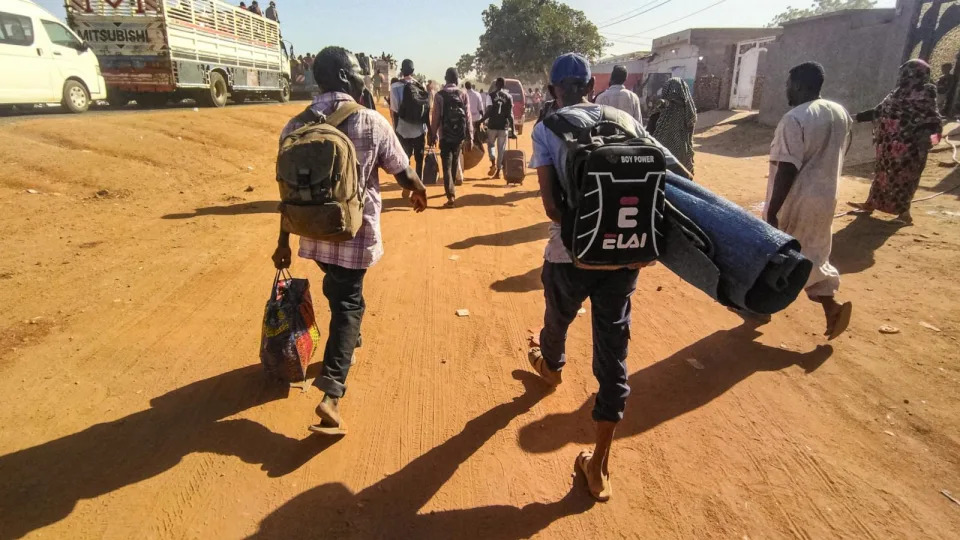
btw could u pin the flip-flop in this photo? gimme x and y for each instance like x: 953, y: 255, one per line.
x: 603, y: 496
x: 842, y: 322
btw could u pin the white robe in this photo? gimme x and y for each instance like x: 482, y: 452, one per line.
x: 813, y: 137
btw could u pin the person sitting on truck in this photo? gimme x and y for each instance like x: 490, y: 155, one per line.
x: 255, y: 8
x: 272, y: 12
x: 344, y: 264
x: 243, y: 5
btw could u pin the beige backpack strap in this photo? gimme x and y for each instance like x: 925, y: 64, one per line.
x: 343, y: 112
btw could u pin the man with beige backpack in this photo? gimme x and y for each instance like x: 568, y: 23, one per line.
x: 334, y: 206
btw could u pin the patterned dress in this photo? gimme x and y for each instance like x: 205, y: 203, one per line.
x: 677, y: 119
x: 904, y: 123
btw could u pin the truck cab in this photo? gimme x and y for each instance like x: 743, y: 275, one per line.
x: 44, y: 61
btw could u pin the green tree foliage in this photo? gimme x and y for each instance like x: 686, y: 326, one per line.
x: 466, y: 64
x: 819, y: 7
x: 523, y: 37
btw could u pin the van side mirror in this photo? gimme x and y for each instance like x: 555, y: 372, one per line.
x: 83, y: 47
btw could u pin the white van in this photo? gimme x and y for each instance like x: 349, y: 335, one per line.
x: 43, y: 61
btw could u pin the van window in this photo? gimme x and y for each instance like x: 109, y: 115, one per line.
x: 15, y: 29
x: 59, y: 35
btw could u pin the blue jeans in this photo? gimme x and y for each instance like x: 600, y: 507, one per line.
x: 343, y: 288
x: 565, y: 287
x: 496, y: 137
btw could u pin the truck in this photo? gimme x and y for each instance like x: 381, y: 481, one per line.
x: 155, y: 51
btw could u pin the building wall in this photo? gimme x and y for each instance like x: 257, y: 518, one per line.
x: 861, y: 51
x: 636, y: 69
x: 718, y: 47
x: 935, y: 37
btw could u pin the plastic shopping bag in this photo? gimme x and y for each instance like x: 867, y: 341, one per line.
x: 290, y: 333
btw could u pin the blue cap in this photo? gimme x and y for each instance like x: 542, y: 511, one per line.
x: 570, y: 66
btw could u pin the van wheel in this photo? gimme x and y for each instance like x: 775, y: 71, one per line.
x: 283, y: 95
x: 75, y: 97
x: 216, y: 95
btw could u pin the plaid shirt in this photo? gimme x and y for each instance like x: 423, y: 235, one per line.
x: 377, y: 148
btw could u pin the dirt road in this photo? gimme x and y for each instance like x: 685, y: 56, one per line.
x: 133, y: 405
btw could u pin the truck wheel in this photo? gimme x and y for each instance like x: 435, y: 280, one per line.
x: 117, y: 98
x: 75, y: 97
x: 283, y: 95
x: 216, y: 95
x: 152, y: 99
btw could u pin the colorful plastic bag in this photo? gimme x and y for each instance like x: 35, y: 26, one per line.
x: 290, y: 333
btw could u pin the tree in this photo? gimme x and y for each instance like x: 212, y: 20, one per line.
x: 523, y: 37
x: 819, y: 7
x: 466, y: 64
x: 420, y: 78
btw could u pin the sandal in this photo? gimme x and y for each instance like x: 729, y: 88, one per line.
x: 539, y: 364
x: 606, y: 490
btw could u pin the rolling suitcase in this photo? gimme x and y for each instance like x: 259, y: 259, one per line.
x: 514, y: 165
x: 431, y: 167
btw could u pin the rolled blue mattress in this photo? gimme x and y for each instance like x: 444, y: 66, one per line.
x: 734, y: 257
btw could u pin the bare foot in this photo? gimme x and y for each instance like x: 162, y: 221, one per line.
x: 597, y: 480
x: 838, y: 319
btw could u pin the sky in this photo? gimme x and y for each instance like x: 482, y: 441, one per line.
x: 434, y: 33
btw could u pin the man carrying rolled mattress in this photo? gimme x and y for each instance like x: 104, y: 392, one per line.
x: 806, y: 158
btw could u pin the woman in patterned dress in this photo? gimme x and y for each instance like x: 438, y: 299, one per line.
x: 905, y: 123
x: 678, y: 117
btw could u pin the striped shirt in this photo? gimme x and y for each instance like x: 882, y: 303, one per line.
x: 377, y: 148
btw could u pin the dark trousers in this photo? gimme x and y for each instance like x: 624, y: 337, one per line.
x: 414, y: 148
x: 450, y: 159
x: 565, y: 288
x: 343, y: 288
x: 478, y: 139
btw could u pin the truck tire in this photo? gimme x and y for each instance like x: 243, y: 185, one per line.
x: 283, y: 95
x: 75, y: 97
x: 117, y: 98
x: 151, y: 99
x: 216, y: 95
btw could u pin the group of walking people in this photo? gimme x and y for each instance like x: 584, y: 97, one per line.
x: 806, y: 160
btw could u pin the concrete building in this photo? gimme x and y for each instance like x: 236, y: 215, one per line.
x: 861, y: 51
x: 635, y: 62
x: 707, y: 59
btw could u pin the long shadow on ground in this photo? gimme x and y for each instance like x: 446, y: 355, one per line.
x: 519, y: 284
x: 530, y: 233
x: 854, y: 245
x: 239, y: 209
x: 41, y: 485
x: 671, y: 387
x: 389, y: 508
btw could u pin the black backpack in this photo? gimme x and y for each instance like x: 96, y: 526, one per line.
x: 415, y: 103
x: 613, y: 212
x: 500, y: 110
x: 454, y: 117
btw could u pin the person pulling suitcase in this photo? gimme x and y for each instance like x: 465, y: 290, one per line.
x: 499, y: 119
